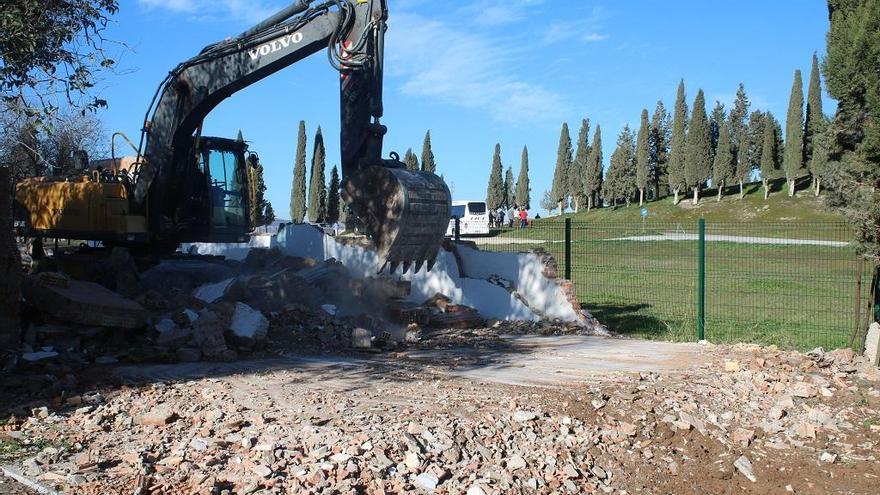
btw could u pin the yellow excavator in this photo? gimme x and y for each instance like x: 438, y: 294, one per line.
x: 181, y: 186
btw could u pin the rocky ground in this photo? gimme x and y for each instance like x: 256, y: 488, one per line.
x: 286, y: 375
x: 744, y: 420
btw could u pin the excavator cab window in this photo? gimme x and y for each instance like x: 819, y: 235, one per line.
x: 225, y: 168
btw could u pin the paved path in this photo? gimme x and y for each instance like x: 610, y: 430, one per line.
x: 520, y: 360
x: 557, y: 360
x: 500, y: 241
x: 680, y: 236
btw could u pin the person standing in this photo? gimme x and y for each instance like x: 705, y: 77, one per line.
x: 523, y: 218
x: 491, y: 218
x: 511, y: 215
x: 501, y: 217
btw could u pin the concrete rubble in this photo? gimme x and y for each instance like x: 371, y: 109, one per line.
x: 417, y: 431
x: 269, y: 295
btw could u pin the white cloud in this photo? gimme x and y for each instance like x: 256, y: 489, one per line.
x: 498, y: 12
x: 461, y: 67
x: 243, y: 11
x: 588, y: 29
x: 591, y: 37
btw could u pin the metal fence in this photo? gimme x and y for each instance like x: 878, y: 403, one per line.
x: 796, y: 285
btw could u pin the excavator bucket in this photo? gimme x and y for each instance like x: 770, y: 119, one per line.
x: 406, y: 213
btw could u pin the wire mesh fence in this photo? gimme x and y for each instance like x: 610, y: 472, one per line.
x: 796, y: 285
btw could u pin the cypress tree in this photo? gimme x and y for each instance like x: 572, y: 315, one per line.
x: 410, y: 159
x: 343, y: 213
x: 820, y: 162
x: 254, y: 207
x: 698, y: 150
x: 737, y: 120
x: 298, y: 188
x: 718, y: 116
x: 675, y: 169
x: 509, y: 188
x: 620, y: 181
x: 260, y: 198
x: 723, y: 168
x: 268, y: 215
x: 333, y: 197
x: 428, y: 163
x: 316, y: 184
x: 643, y: 166
x: 523, y: 190
x: 742, y: 164
x: 579, y: 166
x: 495, y: 190
x: 769, y: 153
x: 793, y: 161
x: 815, y: 124
x: 560, y: 189
x: 851, y: 77
x: 322, y: 206
x: 593, y: 175
x: 757, y: 121
x: 661, y: 133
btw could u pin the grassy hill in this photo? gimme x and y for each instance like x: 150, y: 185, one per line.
x: 798, y: 290
x: 779, y: 208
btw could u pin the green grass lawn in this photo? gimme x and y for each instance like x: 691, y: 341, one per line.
x: 794, y: 296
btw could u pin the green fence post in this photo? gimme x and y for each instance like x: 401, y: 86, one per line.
x: 567, y: 249
x: 701, y: 280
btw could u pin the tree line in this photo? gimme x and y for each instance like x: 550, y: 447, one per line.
x: 321, y: 202
x: 502, y: 191
x: 687, y: 151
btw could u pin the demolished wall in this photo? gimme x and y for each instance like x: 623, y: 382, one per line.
x: 504, y: 286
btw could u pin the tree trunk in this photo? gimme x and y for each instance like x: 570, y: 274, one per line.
x: 818, y: 182
x: 576, y: 203
x: 642, y: 197
x: 791, y: 188
x: 561, y: 209
x: 10, y: 273
x: 675, y: 196
x: 766, y: 188
x: 720, y: 189
x: 696, y: 196
x: 656, y: 190
x: 742, y: 193
x: 589, y: 202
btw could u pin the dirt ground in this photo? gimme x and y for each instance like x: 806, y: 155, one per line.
x: 473, y: 412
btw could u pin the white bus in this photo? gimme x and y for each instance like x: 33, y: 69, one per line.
x: 473, y: 218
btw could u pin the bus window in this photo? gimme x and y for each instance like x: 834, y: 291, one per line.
x: 476, y: 208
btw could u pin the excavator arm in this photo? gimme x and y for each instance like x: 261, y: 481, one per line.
x: 406, y: 212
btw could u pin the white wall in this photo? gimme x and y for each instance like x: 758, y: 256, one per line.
x: 524, y: 272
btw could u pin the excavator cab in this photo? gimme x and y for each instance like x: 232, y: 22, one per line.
x: 223, y: 165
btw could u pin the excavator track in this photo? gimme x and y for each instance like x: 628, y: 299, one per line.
x: 406, y: 213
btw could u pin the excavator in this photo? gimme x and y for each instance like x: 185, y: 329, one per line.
x: 181, y: 186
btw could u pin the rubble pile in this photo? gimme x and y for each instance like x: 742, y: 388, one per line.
x: 755, y: 420
x: 206, y: 308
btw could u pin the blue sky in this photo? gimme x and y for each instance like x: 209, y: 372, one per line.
x: 481, y: 72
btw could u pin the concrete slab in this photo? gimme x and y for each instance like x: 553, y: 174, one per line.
x: 519, y: 360
x: 557, y: 360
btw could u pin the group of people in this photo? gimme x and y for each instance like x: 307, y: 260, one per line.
x: 514, y: 214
